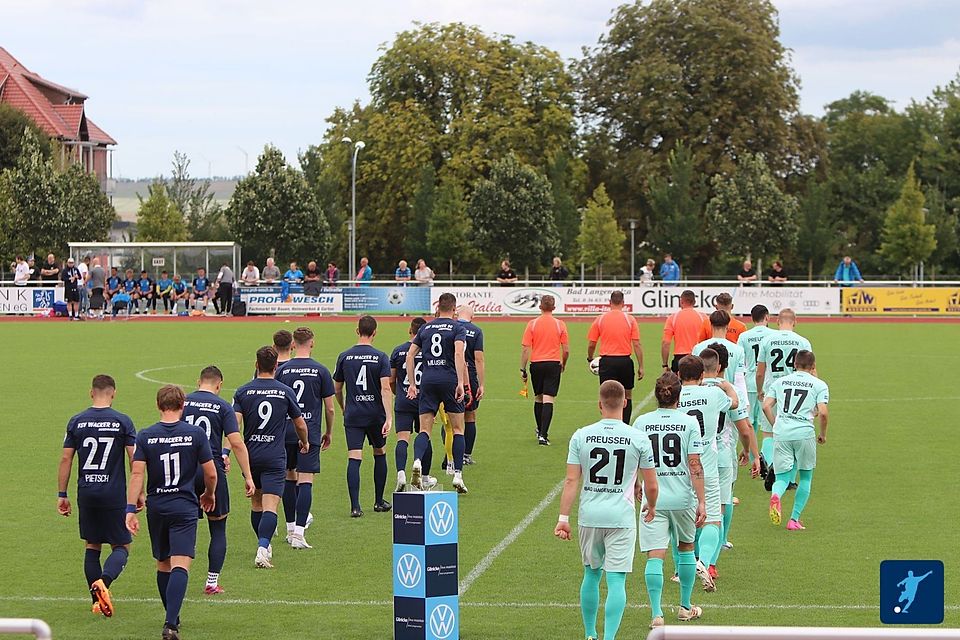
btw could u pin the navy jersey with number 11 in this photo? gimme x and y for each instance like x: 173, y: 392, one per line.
x: 437, y: 339
x: 173, y: 453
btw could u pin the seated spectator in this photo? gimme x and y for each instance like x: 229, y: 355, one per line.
x: 311, y: 280
x: 365, y: 273
x: 423, y: 275
x: 129, y: 287
x: 250, y: 275
x: 114, y: 282
x: 179, y: 294
x: 293, y: 275
x: 847, y: 273
x: 271, y: 272
x: 647, y: 272
x: 506, y: 277
x: 165, y: 291
x: 777, y: 275
x: 558, y: 273
x: 202, y: 290
x: 669, y: 270
x: 747, y: 275
x: 145, y: 294
x: 403, y: 273
x: 332, y: 275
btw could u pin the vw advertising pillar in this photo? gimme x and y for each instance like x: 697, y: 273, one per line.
x: 426, y: 602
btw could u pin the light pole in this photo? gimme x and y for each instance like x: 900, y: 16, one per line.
x: 359, y: 144
x: 633, y: 248
x: 246, y: 160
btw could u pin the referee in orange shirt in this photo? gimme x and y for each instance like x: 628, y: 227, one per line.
x: 546, y: 346
x: 683, y: 330
x: 723, y: 302
x: 618, y: 335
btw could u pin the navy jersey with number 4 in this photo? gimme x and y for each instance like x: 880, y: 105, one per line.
x: 360, y: 368
x: 311, y: 382
x: 398, y: 361
x: 265, y: 405
x: 173, y: 453
x: 437, y: 339
x: 99, y: 436
x: 214, y: 415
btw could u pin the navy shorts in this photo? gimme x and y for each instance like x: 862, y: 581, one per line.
x: 222, y: 494
x: 293, y: 450
x: 308, y: 462
x: 474, y: 403
x: 104, y: 526
x: 269, y: 479
x: 172, y: 535
x: 372, y: 433
x: 406, y: 421
x: 432, y: 395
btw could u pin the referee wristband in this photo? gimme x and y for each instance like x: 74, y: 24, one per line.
x: 131, y: 508
x: 563, y: 518
x: 61, y: 494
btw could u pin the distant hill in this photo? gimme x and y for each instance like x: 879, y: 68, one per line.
x: 125, y: 196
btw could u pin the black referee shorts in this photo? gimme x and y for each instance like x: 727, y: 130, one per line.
x: 545, y: 377
x: 675, y: 365
x: 619, y: 368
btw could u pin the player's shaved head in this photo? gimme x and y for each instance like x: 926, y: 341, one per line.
x: 282, y: 339
x: 446, y: 303
x: 759, y: 313
x: 366, y: 326
x: 719, y: 319
x: 805, y: 360
x: 415, y: 325
x: 170, y: 398
x: 667, y: 390
x: 548, y: 303
x: 787, y: 317
x: 711, y: 361
x: 723, y: 356
x: 723, y: 301
x: 690, y: 368
x: 616, y: 298
x: 102, y: 382
x: 266, y: 359
x: 688, y: 298
x: 612, y: 396
x: 211, y: 375
x: 465, y: 312
x: 302, y: 336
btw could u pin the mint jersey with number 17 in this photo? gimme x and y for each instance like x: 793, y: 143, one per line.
x: 610, y: 454
x: 778, y: 351
x: 750, y: 342
x: 673, y: 436
x: 797, y: 396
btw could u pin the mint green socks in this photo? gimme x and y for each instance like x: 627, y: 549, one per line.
x: 617, y: 602
x: 780, y: 486
x: 688, y: 575
x: 590, y: 600
x: 653, y: 577
x: 766, y: 449
x: 804, y: 481
x: 709, y: 543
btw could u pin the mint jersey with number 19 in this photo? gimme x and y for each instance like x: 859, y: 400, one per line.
x: 265, y: 405
x: 437, y: 339
x: 750, y: 342
x: 778, y: 351
x: 708, y: 404
x: 797, y: 396
x: 673, y: 436
x: 214, y: 415
x: 99, y: 436
x: 610, y: 454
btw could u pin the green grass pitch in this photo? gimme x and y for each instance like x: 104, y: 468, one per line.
x: 885, y: 488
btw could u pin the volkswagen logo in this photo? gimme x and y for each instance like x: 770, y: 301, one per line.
x: 442, y: 621
x: 441, y: 519
x: 409, y: 570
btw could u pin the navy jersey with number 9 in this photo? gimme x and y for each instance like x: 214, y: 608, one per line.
x: 265, y: 405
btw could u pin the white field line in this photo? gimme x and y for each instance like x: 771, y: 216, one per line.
x: 515, y: 533
x: 466, y: 603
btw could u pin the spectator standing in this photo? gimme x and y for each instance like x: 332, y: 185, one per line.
x: 332, y: 275
x: 50, y: 271
x: 223, y: 302
x: 506, y: 277
x: 98, y: 284
x: 403, y: 273
x: 669, y: 270
x: 423, y: 275
x: 365, y: 273
x: 34, y: 272
x: 271, y: 272
x: 683, y: 330
x: 293, y: 275
x: 558, y: 273
x: 72, y: 281
x: 747, y: 275
x: 777, y: 275
x: 84, y: 267
x: 847, y: 273
x: 311, y: 280
x: 250, y: 275
x: 21, y: 273
x: 646, y: 273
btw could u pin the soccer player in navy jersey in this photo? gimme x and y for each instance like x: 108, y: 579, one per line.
x: 444, y: 376
x: 312, y: 384
x: 365, y: 373
x: 263, y: 406
x: 100, y: 435
x: 476, y: 372
x: 201, y: 290
x: 205, y: 408
x: 146, y: 292
x: 170, y: 455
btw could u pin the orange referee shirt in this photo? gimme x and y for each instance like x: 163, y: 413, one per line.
x: 545, y: 336
x: 733, y: 330
x: 683, y: 328
x: 615, y: 331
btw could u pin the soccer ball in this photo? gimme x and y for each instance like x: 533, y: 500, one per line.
x: 395, y: 297
x: 595, y: 366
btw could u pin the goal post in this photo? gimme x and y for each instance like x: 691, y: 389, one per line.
x: 23, y: 626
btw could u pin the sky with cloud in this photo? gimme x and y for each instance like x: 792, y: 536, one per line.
x: 218, y: 79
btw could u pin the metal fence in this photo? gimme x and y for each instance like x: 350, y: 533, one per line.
x: 153, y: 257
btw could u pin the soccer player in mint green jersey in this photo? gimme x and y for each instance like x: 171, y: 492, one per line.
x: 750, y: 342
x: 616, y: 464
x: 681, y: 505
x: 709, y: 406
x: 799, y: 398
x: 735, y: 374
x: 777, y: 354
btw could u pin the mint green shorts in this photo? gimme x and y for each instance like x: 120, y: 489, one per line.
x: 727, y: 477
x: 787, y: 453
x: 656, y: 535
x: 608, y: 549
x: 756, y: 413
x: 712, y: 493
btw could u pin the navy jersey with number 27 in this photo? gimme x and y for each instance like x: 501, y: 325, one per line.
x: 99, y: 436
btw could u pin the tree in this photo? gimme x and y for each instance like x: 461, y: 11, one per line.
x: 449, y: 232
x: 273, y: 212
x: 907, y: 239
x: 817, y: 238
x: 13, y: 122
x: 567, y: 176
x: 194, y: 199
x: 750, y: 215
x: 601, y: 239
x: 946, y: 224
x: 424, y: 204
x: 84, y: 205
x: 676, y: 220
x: 512, y: 214
x: 159, y: 219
